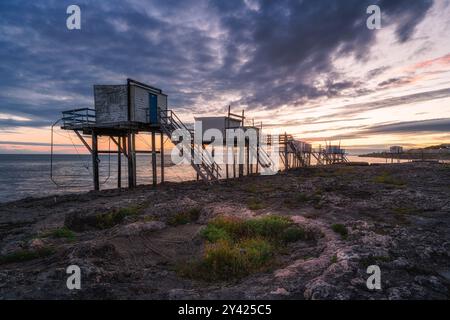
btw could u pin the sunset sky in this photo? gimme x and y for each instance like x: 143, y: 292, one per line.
x: 311, y: 68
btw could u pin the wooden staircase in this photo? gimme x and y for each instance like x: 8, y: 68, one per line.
x: 201, y: 160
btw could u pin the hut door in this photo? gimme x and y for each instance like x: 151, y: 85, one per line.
x: 153, y: 99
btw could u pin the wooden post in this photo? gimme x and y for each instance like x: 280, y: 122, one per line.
x: 234, y: 164
x: 122, y: 143
x: 241, y: 159
x: 162, y: 157
x: 247, y: 150
x: 257, y: 152
x: 130, y: 161
x: 154, y: 175
x: 213, y: 164
x: 119, y: 163
x: 286, y: 155
x: 95, y: 161
x: 133, y: 139
x: 227, y: 156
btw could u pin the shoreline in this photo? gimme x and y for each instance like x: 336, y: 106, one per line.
x: 395, y: 216
x: 406, y: 156
x: 32, y: 198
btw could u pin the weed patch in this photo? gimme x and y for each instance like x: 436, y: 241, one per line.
x: 60, y: 233
x: 214, y: 234
x: 333, y: 259
x: 255, y: 204
x: 184, y: 217
x: 405, y: 210
x: 340, y: 229
x: 236, y: 247
x: 26, y: 255
x: 224, y: 259
x: 386, y: 178
x: 302, y: 198
x: 110, y: 219
x: 374, y: 260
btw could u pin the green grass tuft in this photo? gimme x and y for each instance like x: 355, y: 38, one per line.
x: 60, y: 233
x: 26, y: 255
x: 340, y: 229
x: 408, y: 210
x: 237, y: 247
x: 252, y: 188
x: 293, y: 234
x: 268, y: 226
x: 214, y: 234
x: 184, y: 217
x: 333, y: 259
x: 386, y: 178
x: 271, y: 227
x: 371, y: 260
x: 255, y: 204
x: 224, y: 260
x: 110, y: 219
x: 302, y: 198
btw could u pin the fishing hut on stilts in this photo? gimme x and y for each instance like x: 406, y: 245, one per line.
x: 122, y: 112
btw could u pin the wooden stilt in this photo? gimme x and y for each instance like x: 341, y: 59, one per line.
x: 226, y: 162
x: 119, y: 163
x: 234, y: 163
x: 124, y: 146
x: 162, y: 157
x: 154, y: 174
x: 247, y: 155
x: 130, y: 161
x: 241, y: 154
x: 286, y: 155
x: 258, y: 146
x: 133, y: 139
x: 95, y: 161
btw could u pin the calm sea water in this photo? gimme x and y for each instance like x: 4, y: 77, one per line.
x: 29, y: 175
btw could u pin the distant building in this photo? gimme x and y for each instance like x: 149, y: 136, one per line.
x: 396, y: 149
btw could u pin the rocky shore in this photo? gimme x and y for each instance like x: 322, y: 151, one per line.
x: 129, y: 244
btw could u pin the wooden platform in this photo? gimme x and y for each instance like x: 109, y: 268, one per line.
x: 113, y: 129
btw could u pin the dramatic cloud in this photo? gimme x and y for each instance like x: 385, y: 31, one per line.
x: 409, y: 127
x: 432, y: 125
x: 311, y: 68
x: 355, y: 109
x: 256, y: 53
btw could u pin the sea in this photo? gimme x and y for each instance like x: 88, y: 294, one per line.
x: 35, y: 175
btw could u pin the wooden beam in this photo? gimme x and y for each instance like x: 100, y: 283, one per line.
x: 133, y: 154
x: 130, y: 162
x: 234, y: 164
x: 162, y: 156
x: 84, y: 141
x: 286, y: 155
x: 247, y: 154
x: 119, y: 163
x: 95, y: 162
x: 122, y: 150
x: 154, y: 174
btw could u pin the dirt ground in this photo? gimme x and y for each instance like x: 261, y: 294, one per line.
x: 397, y: 217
